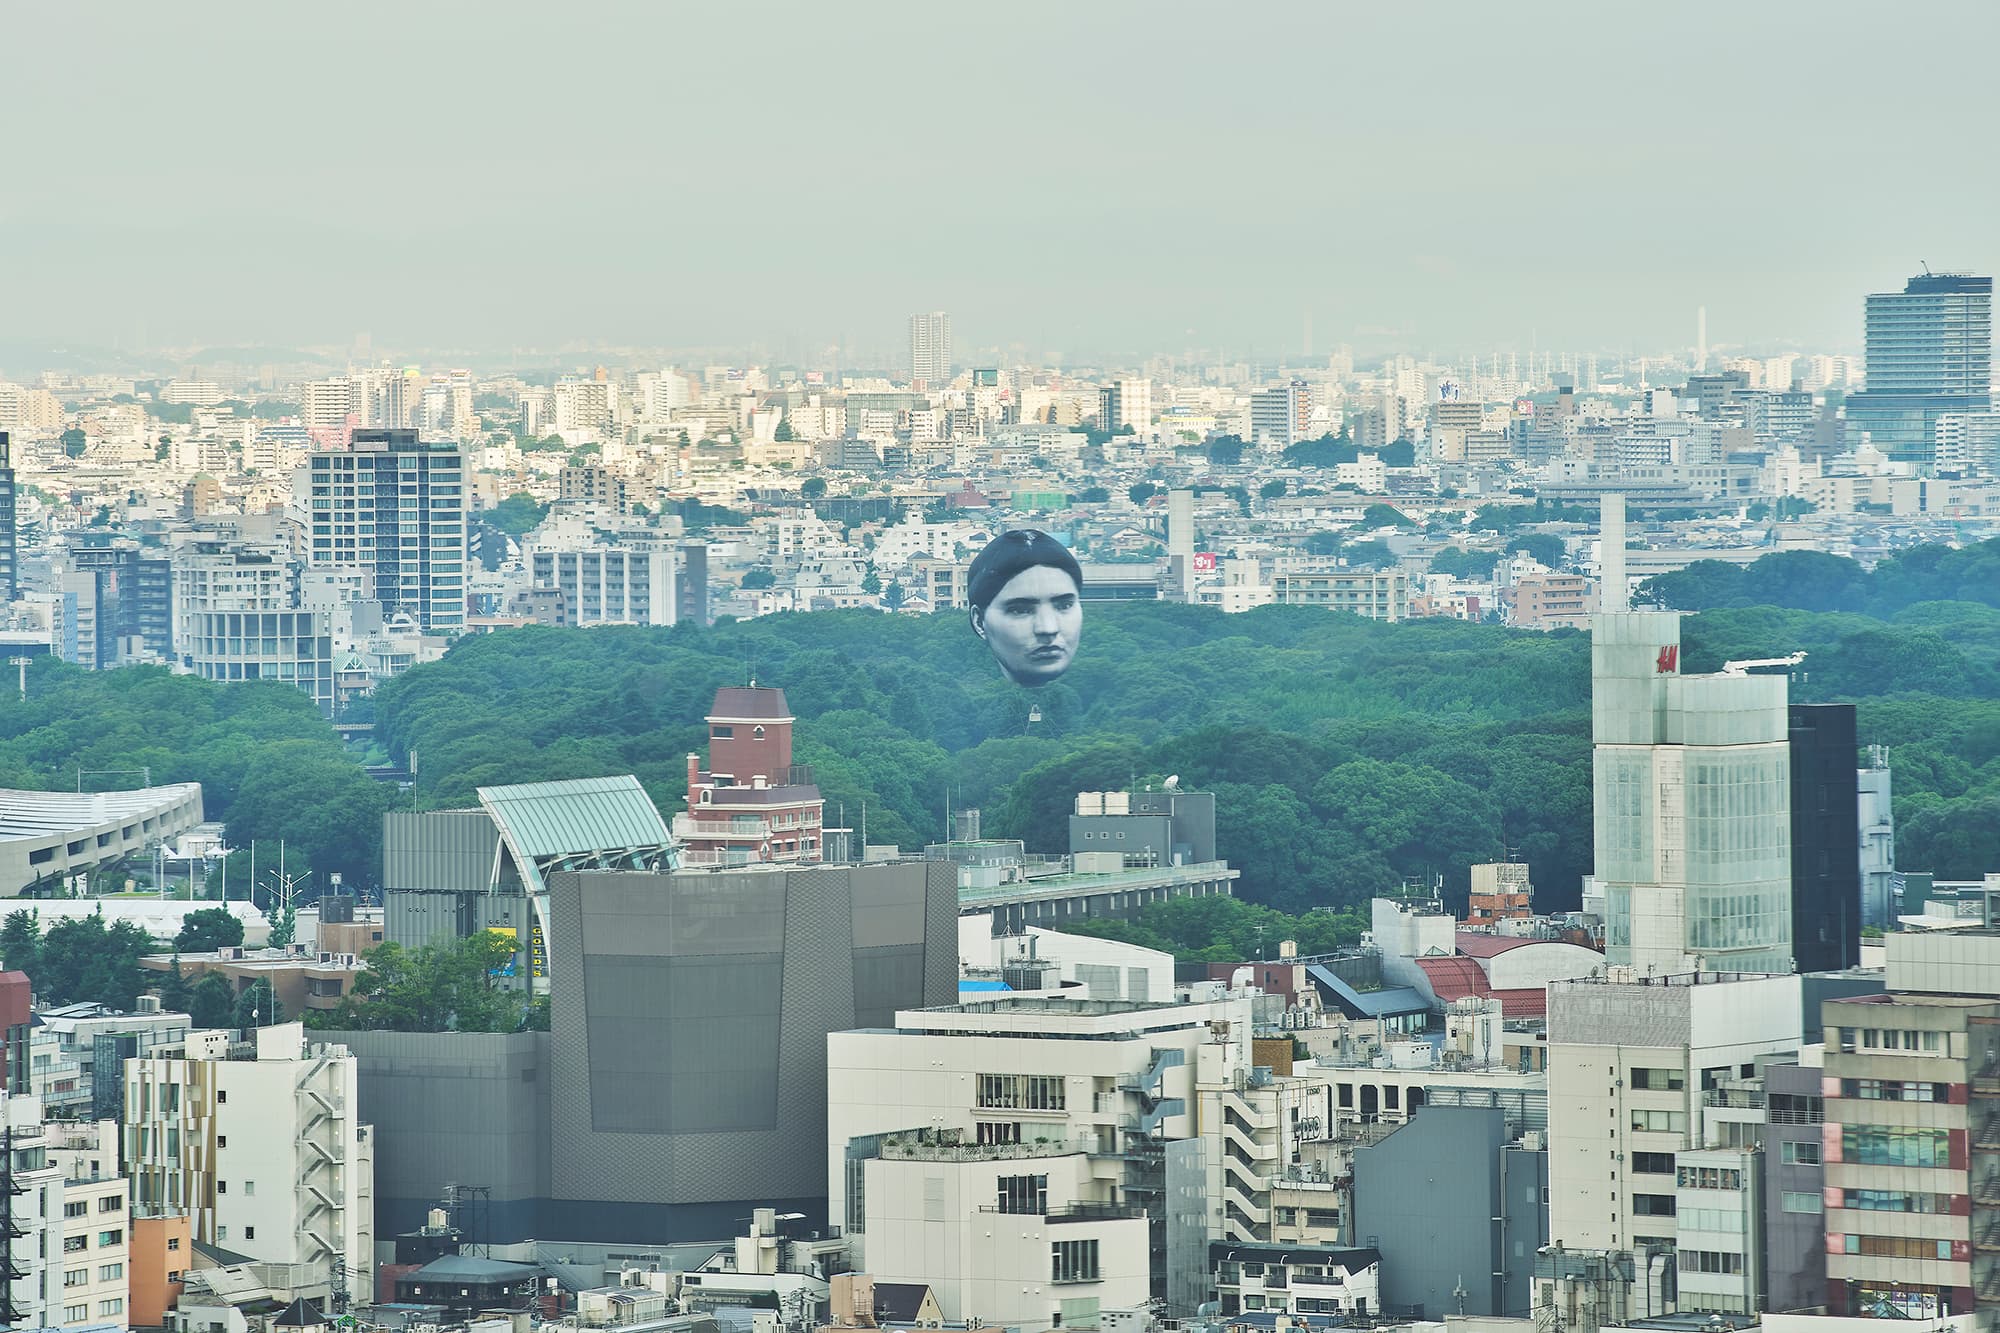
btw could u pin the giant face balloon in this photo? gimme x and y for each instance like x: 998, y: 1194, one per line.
x: 1027, y: 604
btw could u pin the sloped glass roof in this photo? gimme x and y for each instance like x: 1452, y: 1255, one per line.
x: 579, y: 819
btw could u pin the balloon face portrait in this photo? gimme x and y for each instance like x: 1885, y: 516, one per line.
x: 1027, y: 604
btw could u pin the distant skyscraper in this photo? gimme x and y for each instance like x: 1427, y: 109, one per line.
x: 10, y: 577
x: 930, y: 347
x: 1930, y: 353
x: 394, y: 508
x: 1282, y: 415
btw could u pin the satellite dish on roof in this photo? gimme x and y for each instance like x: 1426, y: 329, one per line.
x: 1173, y: 782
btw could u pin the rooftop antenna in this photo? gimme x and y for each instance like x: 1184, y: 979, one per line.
x: 1925, y: 267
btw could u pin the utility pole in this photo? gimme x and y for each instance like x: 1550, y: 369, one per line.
x: 22, y: 663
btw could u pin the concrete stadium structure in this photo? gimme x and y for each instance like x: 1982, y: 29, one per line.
x: 47, y: 835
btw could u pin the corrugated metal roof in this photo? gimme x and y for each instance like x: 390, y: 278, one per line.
x: 572, y: 818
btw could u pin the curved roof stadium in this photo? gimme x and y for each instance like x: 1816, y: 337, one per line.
x: 45, y: 835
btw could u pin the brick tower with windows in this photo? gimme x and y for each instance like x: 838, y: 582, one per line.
x: 752, y: 805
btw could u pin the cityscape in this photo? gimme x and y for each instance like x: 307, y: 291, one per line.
x: 1044, y: 707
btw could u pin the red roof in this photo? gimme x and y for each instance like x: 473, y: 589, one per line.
x: 1527, y: 1002
x: 1479, y: 944
x: 1455, y: 977
x: 1458, y: 976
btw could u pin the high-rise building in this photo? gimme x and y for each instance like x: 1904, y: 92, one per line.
x: 1281, y: 416
x: 1125, y: 406
x: 930, y: 347
x: 1826, y: 851
x: 1691, y: 803
x: 258, y: 1143
x: 31, y: 1223
x: 604, y: 583
x: 393, y: 508
x: 1930, y: 354
x: 10, y: 576
x: 324, y: 404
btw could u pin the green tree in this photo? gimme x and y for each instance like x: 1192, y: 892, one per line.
x: 517, y: 515
x: 1093, y: 495
x: 1544, y: 547
x: 758, y: 576
x: 285, y: 928
x: 207, y: 930
x: 1225, y: 450
x: 1385, y: 516
x: 21, y: 942
x: 211, y: 1002
x: 454, y: 987
x: 257, y: 1007
x: 784, y: 434
x: 1271, y: 490
x: 813, y: 488
x: 1140, y: 492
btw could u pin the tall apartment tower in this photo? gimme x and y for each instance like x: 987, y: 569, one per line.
x: 10, y: 568
x: 1126, y: 405
x: 1281, y: 416
x: 1930, y: 354
x: 1691, y: 805
x: 393, y: 508
x: 930, y: 347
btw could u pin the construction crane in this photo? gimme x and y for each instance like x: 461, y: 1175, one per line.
x: 1743, y: 668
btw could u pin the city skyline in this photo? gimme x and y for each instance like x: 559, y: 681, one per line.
x: 450, y: 208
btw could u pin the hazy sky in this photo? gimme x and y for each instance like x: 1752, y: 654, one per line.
x: 1074, y: 176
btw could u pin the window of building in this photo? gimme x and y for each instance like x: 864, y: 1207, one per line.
x: 1890, y: 1090
x: 1653, y: 1163
x: 1073, y: 1261
x: 1896, y: 1201
x: 1803, y: 1202
x: 116, y: 1305
x: 110, y: 1272
x: 76, y: 1314
x: 73, y: 1244
x: 1708, y: 1178
x: 114, y: 1237
x: 76, y: 1207
x: 1660, y: 1122
x: 1027, y: 1092
x: 249, y: 1233
x: 110, y: 1203
x: 1710, y: 1261
x: 173, y: 1242
x: 1800, y: 1154
x: 77, y: 1277
x: 222, y: 1187
x: 249, y: 1187
x: 1653, y: 1205
x: 1896, y: 1247
x: 1887, y: 1145
x: 999, y: 1131
x: 1658, y: 1080
x: 1024, y: 1194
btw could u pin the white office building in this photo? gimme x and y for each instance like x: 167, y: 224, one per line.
x: 1692, y: 805
x: 257, y: 1142
x: 1633, y: 1062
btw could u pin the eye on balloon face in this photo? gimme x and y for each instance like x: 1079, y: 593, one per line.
x: 1027, y: 605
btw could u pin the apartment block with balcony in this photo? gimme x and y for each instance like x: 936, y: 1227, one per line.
x: 1378, y: 594
x: 257, y: 1142
x: 1296, y: 1280
x: 96, y: 1253
x: 32, y: 1248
